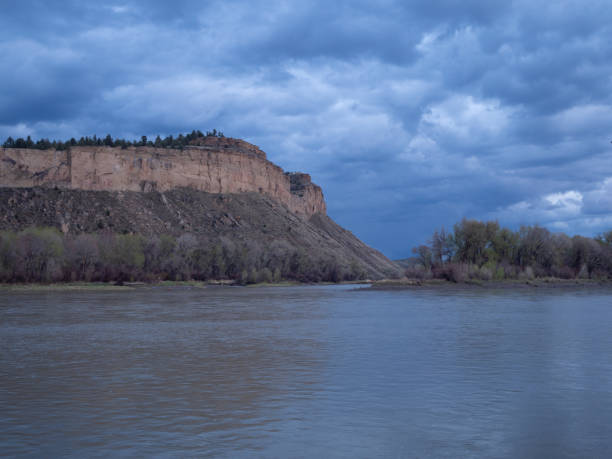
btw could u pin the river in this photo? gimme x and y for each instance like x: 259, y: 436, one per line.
x: 316, y: 371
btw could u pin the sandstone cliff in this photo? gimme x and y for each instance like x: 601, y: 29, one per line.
x: 214, y: 165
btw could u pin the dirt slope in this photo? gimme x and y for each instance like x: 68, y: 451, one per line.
x: 251, y: 218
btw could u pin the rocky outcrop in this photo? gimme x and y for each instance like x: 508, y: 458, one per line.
x: 213, y: 165
x: 26, y: 168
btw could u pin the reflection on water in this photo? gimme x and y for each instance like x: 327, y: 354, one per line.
x: 306, y: 371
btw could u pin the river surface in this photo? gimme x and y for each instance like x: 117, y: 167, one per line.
x: 323, y: 371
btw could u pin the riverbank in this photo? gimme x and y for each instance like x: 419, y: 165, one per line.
x: 107, y: 286
x: 385, y: 284
x: 64, y: 286
x: 546, y: 282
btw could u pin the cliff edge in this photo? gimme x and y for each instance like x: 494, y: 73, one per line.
x: 210, y: 164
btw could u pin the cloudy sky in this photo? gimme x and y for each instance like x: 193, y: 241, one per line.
x: 409, y: 114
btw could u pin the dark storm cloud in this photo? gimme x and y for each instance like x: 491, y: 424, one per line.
x: 411, y: 115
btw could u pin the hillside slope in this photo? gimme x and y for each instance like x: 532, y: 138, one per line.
x: 254, y: 219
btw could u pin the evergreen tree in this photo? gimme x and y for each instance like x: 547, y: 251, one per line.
x: 167, y: 142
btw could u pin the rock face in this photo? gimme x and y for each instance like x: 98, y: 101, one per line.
x: 215, y: 165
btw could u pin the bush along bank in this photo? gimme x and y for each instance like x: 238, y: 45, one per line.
x: 483, y: 251
x: 47, y: 255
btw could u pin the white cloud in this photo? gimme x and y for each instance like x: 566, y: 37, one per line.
x: 428, y: 40
x: 467, y: 119
x: 119, y: 9
x: 569, y: 201
x: 452, y: 134
x: 572, y: 211
x: 553, y: 209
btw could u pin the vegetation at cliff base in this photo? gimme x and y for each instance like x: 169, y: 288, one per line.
x: 47, y: 255
x: 177, y: 142
x: 477, y: 250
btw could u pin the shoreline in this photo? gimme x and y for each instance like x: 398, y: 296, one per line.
x: 131, y: 286
x: 383, y: 284
x: 510, y: 284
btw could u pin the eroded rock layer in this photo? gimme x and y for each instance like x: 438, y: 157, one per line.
x: 214, y: 165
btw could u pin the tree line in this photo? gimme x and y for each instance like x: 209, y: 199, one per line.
x: 47, y: 255
x: 486, y: 251
x: 178, y: 142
